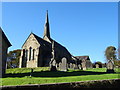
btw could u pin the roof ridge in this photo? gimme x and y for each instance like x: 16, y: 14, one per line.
x: 5, y: 37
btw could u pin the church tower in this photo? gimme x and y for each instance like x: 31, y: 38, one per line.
x: 47, y: 29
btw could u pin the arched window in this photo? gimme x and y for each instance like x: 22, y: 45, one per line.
x: 33, y: 54
x: 23, y: 59
x: 26, y: 54
x: 30, y: 51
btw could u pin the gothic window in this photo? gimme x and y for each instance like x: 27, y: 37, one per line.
x: 23, y: 58
x: 26, y: 54
x: 30, y: 51
x: 33, y: 54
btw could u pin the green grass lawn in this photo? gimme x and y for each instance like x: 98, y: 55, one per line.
x: 21, y: 76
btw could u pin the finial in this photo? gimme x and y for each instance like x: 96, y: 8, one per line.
x: 47, y: 17
x: 47, y: 13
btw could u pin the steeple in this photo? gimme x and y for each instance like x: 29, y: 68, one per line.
x: 46, y: 28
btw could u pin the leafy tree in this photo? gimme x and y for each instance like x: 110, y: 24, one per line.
x: 117, y: 63
x: 98, y: 62
x: 14, y: 57
x: 110, y: 53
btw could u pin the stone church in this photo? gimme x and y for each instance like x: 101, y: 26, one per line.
x: 38, y: 52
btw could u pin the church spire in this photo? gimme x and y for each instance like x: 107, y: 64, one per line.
x: 46, y: 28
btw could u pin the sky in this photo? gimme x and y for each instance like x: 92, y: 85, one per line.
x: 60, y: 0
x: 84, y: 28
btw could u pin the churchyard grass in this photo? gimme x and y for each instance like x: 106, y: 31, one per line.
x: 21, y: 76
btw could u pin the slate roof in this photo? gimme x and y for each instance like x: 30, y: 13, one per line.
x: 62, y: 48
x: 42, y: 41
x: 48, y: 46
x: 4, y: 37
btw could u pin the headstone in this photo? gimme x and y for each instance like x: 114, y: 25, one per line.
x: 57, y: 66
x: 63, y: 65
x: 83, y: 64
x: 97, y: 65
x: 60, y: 66
x: 71, y: 66
x: 110, y: 66
x: 53, y: 66
x: 76, y: 66
x: 79, y: 66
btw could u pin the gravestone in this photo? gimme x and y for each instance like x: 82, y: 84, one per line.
x: 97, y: 65
x: 76, y: 66
x: 60, y: 66
x: 63, y: 64
x: 83, y: 64
x: 71, y: 66
x: 110, y: 66
x: 79, y: 66
x: 53, y: 66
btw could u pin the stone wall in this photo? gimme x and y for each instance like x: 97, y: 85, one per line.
x: 32, y: 63
x: 25, y: 59
x: 111, y: 83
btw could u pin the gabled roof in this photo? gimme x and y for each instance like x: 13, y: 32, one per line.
x: 82, y: 57
x: 62, y: 47
x: 39, y: 39
x: 4, y: 37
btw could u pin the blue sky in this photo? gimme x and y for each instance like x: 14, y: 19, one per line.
x: 84, y: 28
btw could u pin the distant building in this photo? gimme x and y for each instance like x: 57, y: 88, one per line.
x: 85, y: 61
x: 37, y: 51
x: 3, y: 51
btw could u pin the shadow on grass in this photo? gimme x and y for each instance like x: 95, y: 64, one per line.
x: 55, y: 74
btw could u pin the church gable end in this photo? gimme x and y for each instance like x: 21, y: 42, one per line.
x: 31, y: 41
x: 30, y: 51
